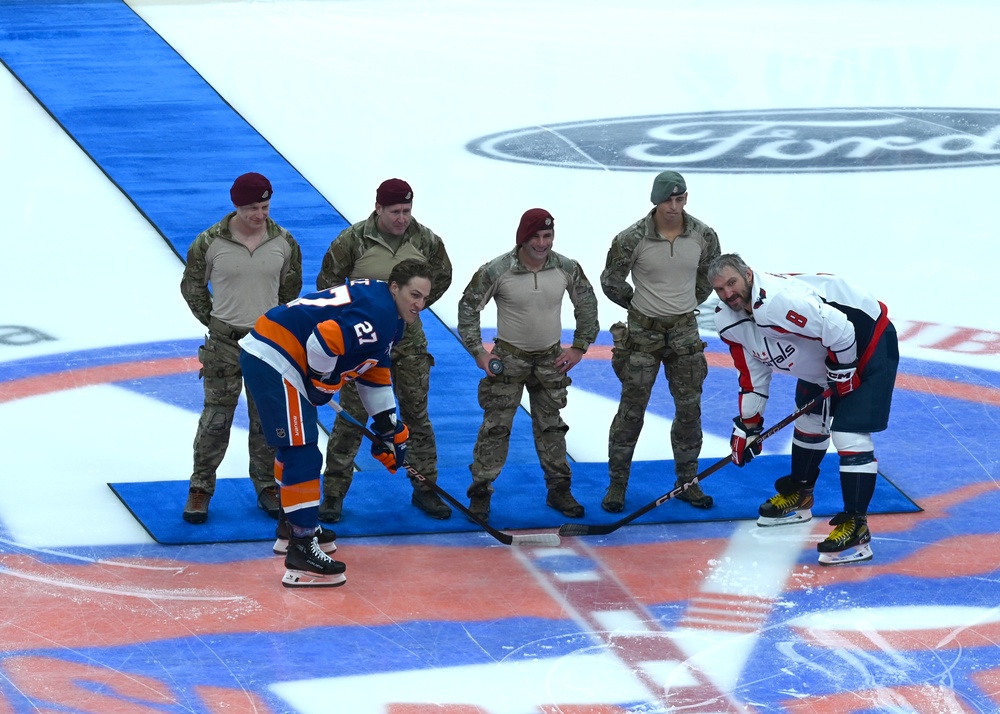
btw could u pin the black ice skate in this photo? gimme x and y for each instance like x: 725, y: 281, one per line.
x: 307, y: 566
x: 792, y: 504
x: 849, y: 542
x: 283, y: 534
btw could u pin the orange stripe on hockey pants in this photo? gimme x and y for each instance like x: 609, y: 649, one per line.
x: 300, y: 484
x: 293, y: 415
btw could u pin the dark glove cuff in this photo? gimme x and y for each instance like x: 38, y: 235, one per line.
x: 316, y: 397
x: 320, y: 377
x: 749, y: 429
x: 385, y: 422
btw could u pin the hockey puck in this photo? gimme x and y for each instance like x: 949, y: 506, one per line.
x: 496, y: 366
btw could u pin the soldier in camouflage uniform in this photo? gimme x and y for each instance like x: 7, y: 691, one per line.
x: 667, y: 253
x: 528, y: 284
x: 370, y: 249
x: 253, y: 265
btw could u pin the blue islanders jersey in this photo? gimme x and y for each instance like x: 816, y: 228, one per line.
x: 347, y: 331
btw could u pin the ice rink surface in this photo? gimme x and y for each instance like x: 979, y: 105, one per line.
x: 857, y: 138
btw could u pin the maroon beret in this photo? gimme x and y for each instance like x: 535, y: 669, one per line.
x: 250, y: 188
x: 393, y: 191
x: 534, y: 220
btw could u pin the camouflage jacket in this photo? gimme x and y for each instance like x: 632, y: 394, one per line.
x: 621, y: 257
x: 359, y: 240
x: 194, y: 283
x: 483, y: 287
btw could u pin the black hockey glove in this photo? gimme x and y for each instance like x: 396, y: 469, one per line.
x: 393, y: 433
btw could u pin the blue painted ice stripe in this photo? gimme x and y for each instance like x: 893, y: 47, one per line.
x: 173, y: 146
x: 158, y: 130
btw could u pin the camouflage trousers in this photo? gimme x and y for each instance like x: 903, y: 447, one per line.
x: 500, y: 398
x: 411, y: 375
x: 223, y: 380
x: 640, y: 348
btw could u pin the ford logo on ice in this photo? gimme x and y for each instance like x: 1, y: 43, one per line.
x: 773, y: 141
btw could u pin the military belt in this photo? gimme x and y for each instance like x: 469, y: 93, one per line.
x: 524, y: 354
x: 657, y: 324
x: 226, y: 330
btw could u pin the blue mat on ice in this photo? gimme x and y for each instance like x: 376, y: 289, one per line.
x: 152, y: 124
x: 379, y: 503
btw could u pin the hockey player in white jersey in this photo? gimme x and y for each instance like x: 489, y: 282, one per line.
x: 825, y: 332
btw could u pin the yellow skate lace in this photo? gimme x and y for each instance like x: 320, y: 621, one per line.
x: 843, y: 532
x: 782, y: 502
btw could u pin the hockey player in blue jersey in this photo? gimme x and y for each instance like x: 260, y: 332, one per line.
x: 296, y: 358
x: 827, y: 333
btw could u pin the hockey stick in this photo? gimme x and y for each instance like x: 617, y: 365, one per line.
x: 549, y: 539
x: 578, y: 529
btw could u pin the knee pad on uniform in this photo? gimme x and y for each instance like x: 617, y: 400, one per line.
x: 498, y: 431
x: 852, y: 441
x: 811, y: 431
x: 218, y: 420
x: 857, y: 452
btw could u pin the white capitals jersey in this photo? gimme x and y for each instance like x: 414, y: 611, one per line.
x: 797, y: 322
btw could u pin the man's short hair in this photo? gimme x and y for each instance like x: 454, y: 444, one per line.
x: 406, y: 270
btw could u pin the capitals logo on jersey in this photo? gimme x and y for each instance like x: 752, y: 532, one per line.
x: 776, y: 354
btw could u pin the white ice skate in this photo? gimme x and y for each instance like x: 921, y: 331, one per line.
x: 308, y: 579
x: 857, y: 554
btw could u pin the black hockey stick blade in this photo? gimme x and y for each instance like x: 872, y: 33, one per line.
x: 541, y: 539
x: 548, y: 539
x: 578, y: 529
